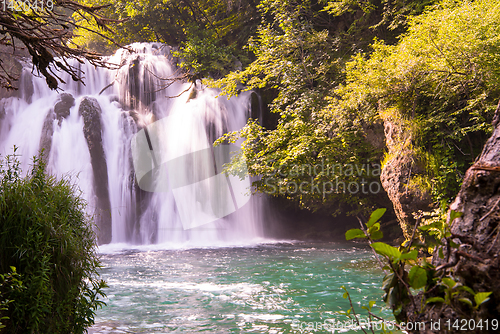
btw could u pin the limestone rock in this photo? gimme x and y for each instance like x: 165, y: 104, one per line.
x: 90, y: 110
x: 397, y: 173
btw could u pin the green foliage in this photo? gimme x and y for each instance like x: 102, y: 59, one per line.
x: 301, y: 48
x: 417, y: 277
x: 384, y: 249
x: 375, y: 216
x: 48, y: 263
x: 9, y: 284
x: 453, y: 292
x: 298, y: 154
x: 399, y: 282
x: 209, y: 34
x: 443, y: 76
x: 481, y: 298
x: 203, y: 55
x: 354, y: 233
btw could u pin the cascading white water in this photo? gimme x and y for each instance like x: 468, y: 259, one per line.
x: 89, y: 135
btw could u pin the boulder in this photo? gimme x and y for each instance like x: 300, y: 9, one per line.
x: 60, y: 111
x: 401, y: 166
x: 63, y: 105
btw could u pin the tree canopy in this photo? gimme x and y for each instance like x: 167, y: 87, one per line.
x: 209, y: 35
x: 438, y: 79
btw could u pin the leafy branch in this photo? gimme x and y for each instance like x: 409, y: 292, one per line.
x: 421, y: 279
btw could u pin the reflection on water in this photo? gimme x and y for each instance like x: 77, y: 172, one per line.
x: 260, y: 289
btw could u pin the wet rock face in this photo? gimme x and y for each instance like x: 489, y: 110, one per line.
x: 141, y: 86
x: 13, y: 67
x: 60, y: 111
x: 47, y: 133
x: 139, y: 205
x: 255, y: 107
x: 92, y: 130
x: 2, y: 111
x: 63, y: 105
x: 22, y: 87
x: 26, y: 86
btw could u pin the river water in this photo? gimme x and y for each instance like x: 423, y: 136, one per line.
x: 266, y: 288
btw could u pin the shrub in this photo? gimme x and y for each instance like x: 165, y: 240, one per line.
x: 48, y: 260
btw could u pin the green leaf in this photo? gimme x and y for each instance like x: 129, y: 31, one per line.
x: 418, y: 277
x: 410, y: 255
x: 481, y: 297
x: 435, y: 225
x: 354, y: 233
x: 454, y: 214
x: 384, y: 249
x: 466, y: 301
x: 375, y: 227
x: 449, y: 282
x: 434, y: 300
x: 371, y: 303
x: 377, y: 235
x: 375, y: 216
x: 466, y: 288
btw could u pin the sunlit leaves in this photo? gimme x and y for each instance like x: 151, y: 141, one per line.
x: 435, y: 300
x: 354, y: 233
x: 411, y: 255
x: 375, y: 216
x: 481, y: 297
x: 387, y: 250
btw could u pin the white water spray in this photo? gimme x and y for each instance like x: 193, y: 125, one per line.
x: 88, y: 136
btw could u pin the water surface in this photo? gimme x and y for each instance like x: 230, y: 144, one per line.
x: 268, y: 288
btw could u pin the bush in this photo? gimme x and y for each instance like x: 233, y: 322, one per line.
x: 48, y: 260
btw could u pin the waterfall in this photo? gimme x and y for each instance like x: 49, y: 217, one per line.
x: 102, y: 134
